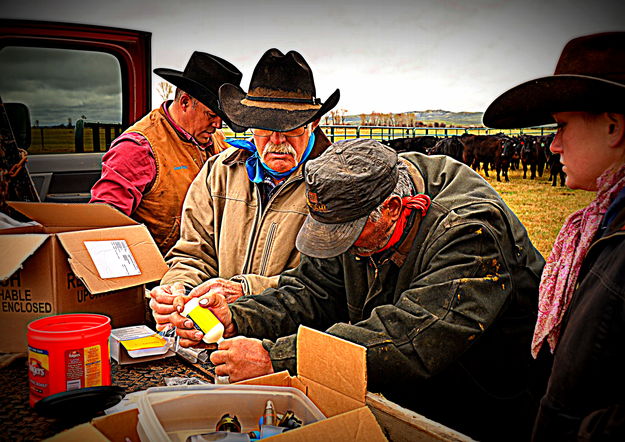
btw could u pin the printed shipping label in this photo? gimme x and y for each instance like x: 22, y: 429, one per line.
x: 113, y: 259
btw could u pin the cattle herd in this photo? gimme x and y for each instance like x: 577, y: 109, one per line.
x: 497, y: 152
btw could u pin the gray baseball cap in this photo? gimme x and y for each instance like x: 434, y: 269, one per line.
x: 343, y: 186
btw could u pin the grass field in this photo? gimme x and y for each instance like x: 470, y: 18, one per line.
x: 540, y: 207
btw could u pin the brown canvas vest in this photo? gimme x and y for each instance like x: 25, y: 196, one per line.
x: 177, y: 163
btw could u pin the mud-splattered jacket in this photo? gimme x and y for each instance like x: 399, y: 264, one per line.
x: 226, y: 232
x: 447, y: 319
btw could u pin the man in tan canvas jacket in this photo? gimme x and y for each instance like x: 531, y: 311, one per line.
x: 244, y: 209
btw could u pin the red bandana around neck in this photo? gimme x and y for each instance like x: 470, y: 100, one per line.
x: 420, y: 202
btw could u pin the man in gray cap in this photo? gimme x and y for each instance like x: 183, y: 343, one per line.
x: 420, y: 261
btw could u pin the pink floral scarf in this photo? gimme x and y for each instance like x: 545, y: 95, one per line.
x: 559, y: 278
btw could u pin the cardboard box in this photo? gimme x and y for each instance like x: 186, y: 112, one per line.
x: 334, y: 380
x: 47, y: 269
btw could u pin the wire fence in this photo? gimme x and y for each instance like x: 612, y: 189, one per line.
x: 382, y: 133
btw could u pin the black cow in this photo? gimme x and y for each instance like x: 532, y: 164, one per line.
x: 503, y: 162
x: 483, y: 149
x: 451, y: 146
x: 415, y: 144
x: 555, y: 169
x: 529, y: 155
x: 515, y: 160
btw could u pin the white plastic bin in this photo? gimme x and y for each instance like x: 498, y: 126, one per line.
x: 175, y: 413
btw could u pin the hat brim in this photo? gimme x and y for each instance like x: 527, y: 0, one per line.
x: 321, y: 240
x: 196, y: 90
x: 532, y: 103
x: 280, y: 120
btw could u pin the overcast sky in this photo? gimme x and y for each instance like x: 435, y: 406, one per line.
x: 384, y: 56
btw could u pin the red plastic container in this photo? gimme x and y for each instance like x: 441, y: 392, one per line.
x: 67, y: 352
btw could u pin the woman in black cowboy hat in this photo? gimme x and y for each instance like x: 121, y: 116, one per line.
x: 582, y: 292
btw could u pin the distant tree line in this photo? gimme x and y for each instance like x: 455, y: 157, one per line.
x: 337, y: 117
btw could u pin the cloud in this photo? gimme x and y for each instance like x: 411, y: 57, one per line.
x: 57, y: 84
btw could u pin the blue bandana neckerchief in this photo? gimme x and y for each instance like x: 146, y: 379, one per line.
x: 256, y: 169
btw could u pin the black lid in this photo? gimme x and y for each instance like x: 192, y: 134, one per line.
x: 80, y: 405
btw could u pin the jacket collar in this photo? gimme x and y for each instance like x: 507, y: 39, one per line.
x: 404, y: 248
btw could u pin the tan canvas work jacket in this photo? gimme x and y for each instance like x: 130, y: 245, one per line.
x: 225, y: 233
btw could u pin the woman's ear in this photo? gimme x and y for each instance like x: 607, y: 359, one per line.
x: 616, y: 129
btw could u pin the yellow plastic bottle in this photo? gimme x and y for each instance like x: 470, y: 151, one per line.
x: 204, y: 320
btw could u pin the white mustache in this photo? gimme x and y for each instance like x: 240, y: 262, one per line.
x: 279, y: 148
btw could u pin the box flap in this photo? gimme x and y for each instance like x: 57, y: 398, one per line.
x: 356, y: 425
x: 119, y: 427
x: 9, y: 225
x: 80, y: 433
x: 72, y: 215
x: 141, y: 245
x: 333, y: 362
x: 20, y: 247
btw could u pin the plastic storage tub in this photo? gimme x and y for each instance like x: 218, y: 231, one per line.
x: 175, y: 413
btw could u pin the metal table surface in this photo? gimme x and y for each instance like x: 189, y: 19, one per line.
x: 19, y: 422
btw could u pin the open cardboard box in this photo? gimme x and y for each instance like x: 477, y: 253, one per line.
x: 46, y: 269
x: 332, y: 373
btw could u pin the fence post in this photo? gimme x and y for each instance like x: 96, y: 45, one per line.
x: 357, y: 131
x: 79, y: 133
x: 107, y: 136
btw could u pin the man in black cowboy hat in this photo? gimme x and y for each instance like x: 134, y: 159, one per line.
x: 582, y: 291
x: 148, y: 169
x: 243, y: 211
x: 420, y: 261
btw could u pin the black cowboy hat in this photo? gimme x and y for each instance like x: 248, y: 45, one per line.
x: 281, y: 95
x: 589, y: 76
x: 202, y: 77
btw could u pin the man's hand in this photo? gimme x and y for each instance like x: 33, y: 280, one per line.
x: 162, y: 303
x: 231, y: 290
x: 189, y: 335
x: 241, y: 358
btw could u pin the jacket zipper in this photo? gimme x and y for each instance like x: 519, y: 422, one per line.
x: 264, y: 262
x: 248, y: 254
x: 373, y: 285
x: 258, y: 221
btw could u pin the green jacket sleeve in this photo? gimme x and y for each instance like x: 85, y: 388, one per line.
x: 456, y: 289
x: 456, y: 295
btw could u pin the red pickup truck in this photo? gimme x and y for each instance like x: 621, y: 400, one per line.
x: 82, y: 86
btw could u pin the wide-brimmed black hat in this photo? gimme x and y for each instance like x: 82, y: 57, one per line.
x: 589, y: 77
x: 203, y: 75
x: 281, y: 95
x: 343, y: 186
